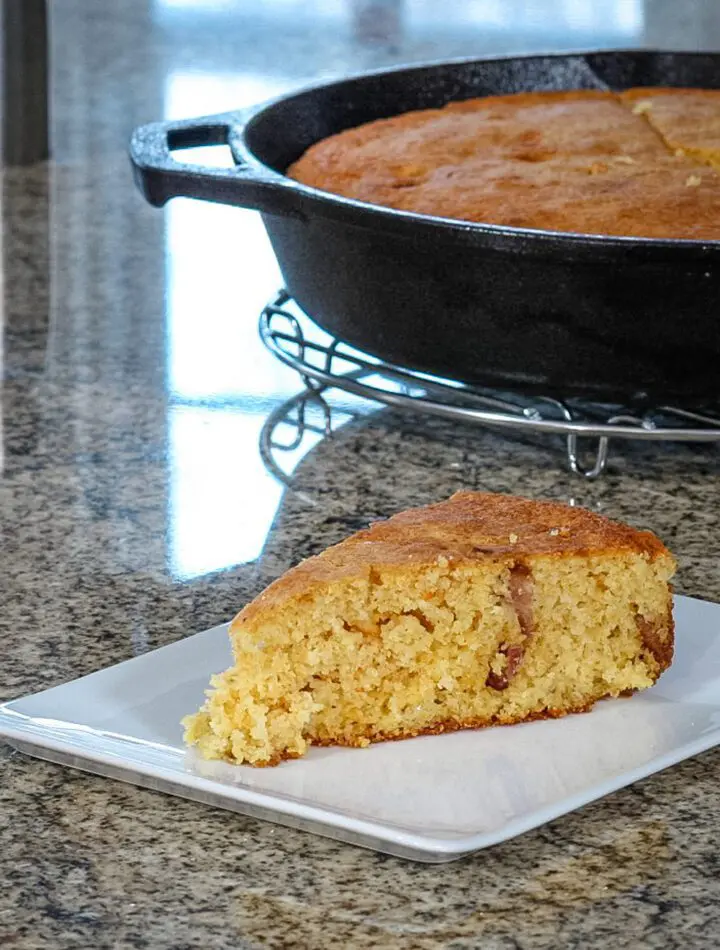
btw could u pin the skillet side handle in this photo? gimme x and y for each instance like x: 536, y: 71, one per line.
x: 160, y: 177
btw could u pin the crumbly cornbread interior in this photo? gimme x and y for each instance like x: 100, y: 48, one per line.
x: 480, y: 610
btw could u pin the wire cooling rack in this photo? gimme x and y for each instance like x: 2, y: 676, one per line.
x: 324, y: 362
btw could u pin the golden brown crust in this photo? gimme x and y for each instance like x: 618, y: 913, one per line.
x: 658, y: 637
x: 582, y: 160
x: 370, y: 736
x: 468, y: 527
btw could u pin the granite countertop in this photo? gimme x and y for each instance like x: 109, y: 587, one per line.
x: 137, y: 508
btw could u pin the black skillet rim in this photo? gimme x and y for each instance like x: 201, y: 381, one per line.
x: 501, y: 237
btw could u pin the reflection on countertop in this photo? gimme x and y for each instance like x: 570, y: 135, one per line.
x: 157, y: 470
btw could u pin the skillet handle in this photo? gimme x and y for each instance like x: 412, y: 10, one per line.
x: 160, y: 177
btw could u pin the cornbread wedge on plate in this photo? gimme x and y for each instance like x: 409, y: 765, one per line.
x: 480, y: 610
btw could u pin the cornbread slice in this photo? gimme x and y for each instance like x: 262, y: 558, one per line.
x: 479, y: 610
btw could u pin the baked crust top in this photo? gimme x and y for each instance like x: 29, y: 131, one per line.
x: 467, y: 527
x: 642, y: 163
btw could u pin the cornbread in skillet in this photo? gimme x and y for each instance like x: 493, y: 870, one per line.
x: 483, y: 609
x: 580, y: 161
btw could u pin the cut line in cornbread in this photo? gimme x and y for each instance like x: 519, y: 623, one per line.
x: 483, y: 609
x: 686, y: 120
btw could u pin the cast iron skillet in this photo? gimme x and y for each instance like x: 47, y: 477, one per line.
x: 608, y: 317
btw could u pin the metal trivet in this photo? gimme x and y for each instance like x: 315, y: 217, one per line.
x: 324, y: 362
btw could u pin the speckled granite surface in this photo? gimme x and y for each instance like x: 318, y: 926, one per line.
x: 135, y: 509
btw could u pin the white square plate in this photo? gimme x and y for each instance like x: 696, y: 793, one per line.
x: 434, y: 799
